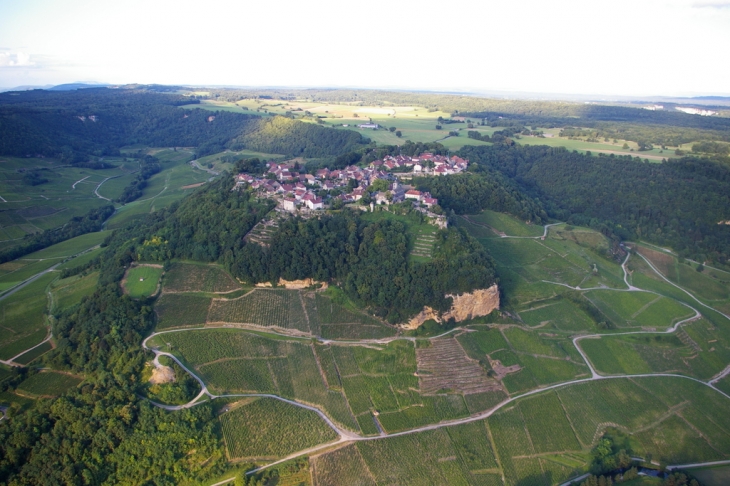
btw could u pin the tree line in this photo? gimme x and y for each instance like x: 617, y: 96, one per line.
x: 678, y: 203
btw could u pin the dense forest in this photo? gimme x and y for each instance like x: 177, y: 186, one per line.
x: 103, y: 432
x: 74, y: 125
x: 678, y: 203
x: 368, y: 259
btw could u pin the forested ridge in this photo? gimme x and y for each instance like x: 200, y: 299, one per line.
x: 678, y: 203
x: 74, y: 125
x: 368, y: 259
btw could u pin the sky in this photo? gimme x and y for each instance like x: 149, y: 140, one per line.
x: 588, y: 47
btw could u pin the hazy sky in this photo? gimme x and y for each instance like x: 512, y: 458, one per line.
x: 636, y: 47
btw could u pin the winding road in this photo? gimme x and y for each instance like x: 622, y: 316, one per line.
x: 346, y: 436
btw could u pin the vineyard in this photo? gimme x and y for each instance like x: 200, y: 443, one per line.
x: 445, y: 366
x: 191, y: 277
x: 461, y: 455
x: 562, y: 315
x: 181, y: 310
x: 263, y: 307
x: 334, y: 321
x: 48, y: 384
x: 532, y: 343
x: 342, y: 466
x: 248, y: 429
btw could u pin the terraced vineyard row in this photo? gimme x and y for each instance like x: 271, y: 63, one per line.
x: 248, y: 429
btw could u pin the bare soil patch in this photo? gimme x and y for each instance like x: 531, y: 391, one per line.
x: 192, y: 186
x: 444, y: 365
x: 162, y: 374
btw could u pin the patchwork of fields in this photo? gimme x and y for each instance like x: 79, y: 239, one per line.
x: 543, y: 438
x: 375, y: 383
x: 564, y: 285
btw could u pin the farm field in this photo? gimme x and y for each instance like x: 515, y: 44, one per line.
x: 249, y: 428
x: 712, y: 476
x: 68, y: 192
x: 192, y: 277
x: 69, y: 291
x: 350, y: 383
x: 177, y: 179
x: 638, y: 309
x: 181, y: 310
x: 70, y: 247
x: 142, y: 280
x: 263, y: 307
x: 47, y: 384
x: 650, y: 354
x: 22, y: 317
x: 710, y: 286
x: 545, y: 437
x: 532, y: 270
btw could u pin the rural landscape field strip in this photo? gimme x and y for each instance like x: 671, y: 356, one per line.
x: 347, y: 436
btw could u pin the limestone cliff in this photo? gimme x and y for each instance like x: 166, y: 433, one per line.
x: 466, y: 306
x: 293, y: 284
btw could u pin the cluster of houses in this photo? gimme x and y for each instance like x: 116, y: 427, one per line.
x: 424, y: 164
x: 295, y: 190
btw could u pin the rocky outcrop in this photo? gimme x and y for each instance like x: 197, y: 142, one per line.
x: 292, y: 284
x: 466, y: 306
x: 162, y: 374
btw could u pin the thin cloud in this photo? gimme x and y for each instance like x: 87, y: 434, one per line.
x: 711, y: 4
x: 18, y: 59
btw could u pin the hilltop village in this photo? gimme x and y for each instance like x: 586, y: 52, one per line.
x: 332, y: 188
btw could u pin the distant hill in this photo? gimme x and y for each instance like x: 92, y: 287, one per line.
x: 73, y: 86
x: 26, y: 87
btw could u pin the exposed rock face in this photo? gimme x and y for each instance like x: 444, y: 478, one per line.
x: 292, y: 284
x: 162, y: 374
x: 465, y: 306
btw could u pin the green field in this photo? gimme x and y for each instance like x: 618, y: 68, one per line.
x: 181, y: 310
x: 546, y: 439
x: 80, y: 260
x: 29, y: 357
x: 142, y: 281
x: 30, y: 209
x: 263, y: 307
x: 268, y: 429
x: 504, y: 223
x: 69, y: 291
x: 712, y: 476
x: 350, y: 383
x: 22, y: 317
x: 175, y: 181
x: 649, y: 353
x: 69, y: 247
x: 48, y: 384
x: 18, y: 271
x: 638, y: 309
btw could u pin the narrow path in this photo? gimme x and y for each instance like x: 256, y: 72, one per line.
x: 680, y: 288
x: 73, y: 186
x: 195, y: 164
x: 96, y: 191
x: 50, y: 336
x: 544, y: 234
